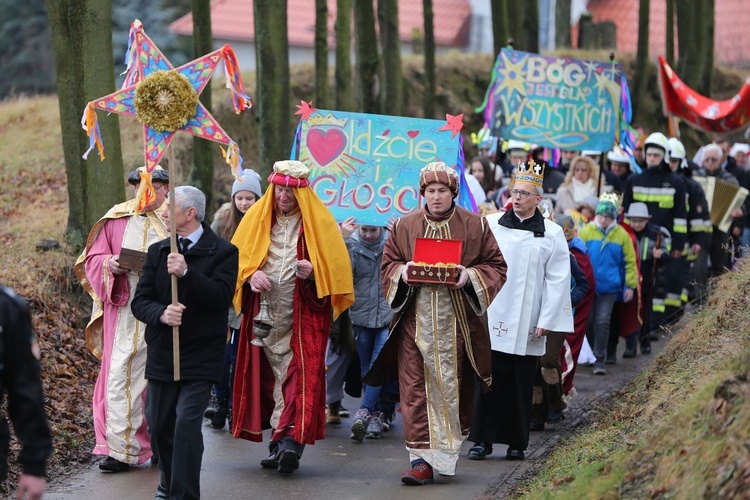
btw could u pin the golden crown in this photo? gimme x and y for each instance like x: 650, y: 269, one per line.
x: 327, y: 119
x: 612, y: 198
x: 531, y: 172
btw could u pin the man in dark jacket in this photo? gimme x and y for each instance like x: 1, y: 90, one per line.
x: 207, y: 270
x: 21, y: 379
x: 664, y: 194
x: 719, y: 249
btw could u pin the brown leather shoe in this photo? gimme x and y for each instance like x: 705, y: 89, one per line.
x: 419, y: 474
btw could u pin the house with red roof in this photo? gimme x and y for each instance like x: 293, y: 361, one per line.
x: 232, y: 22
x: 731, y: 31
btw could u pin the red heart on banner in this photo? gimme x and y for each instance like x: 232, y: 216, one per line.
x: 412, y: 133
x: 325, y: 145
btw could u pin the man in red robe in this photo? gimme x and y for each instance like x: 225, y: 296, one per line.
x: 292, y: 258
x: 439, y: 337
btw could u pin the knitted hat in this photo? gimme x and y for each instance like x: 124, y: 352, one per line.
x: 249, y: 181
x: 158, y: 175
x: 438, y: 172
x: 608, y: 205
x: 290, y: 173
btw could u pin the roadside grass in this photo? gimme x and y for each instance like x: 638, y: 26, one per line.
x: 681, y: 429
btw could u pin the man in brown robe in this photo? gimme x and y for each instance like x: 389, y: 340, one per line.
x: 439, y: 336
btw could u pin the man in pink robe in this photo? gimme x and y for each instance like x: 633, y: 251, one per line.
x: 113, y: 334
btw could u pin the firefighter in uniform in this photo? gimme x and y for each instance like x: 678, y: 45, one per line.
x: 699, y: 215
x: 664, y: 193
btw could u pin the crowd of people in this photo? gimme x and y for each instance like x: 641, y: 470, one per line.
x: 280, y: 309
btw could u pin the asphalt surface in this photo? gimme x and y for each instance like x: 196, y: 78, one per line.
x: 338, y: 468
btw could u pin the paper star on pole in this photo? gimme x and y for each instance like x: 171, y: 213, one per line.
x: 454, y: 124
x: 305, y: 109
x: 155, y: 92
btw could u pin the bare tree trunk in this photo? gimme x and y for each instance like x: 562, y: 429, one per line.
x: 500, y: 29
x: 84, y: 75
x: 368, y: 60
x: 706, y: 70
x: 688, y: 40
x: 65, y: 19
x: 272, y: 72
x: 321, y: 54
x: 641, y: 63
x: 429, y: 60
x: 344, y: 101
x: 516, y: 19
x: 670, y: 32
x: 202, y: 170
x: 562, y: 24
x: 391, y: 46
x: 531, y: 26
x: 104, y: 180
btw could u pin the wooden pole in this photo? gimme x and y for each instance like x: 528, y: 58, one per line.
x: 674, y: 127
x: 173, y: 249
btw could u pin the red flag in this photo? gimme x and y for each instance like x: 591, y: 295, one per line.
x: 701, y: 112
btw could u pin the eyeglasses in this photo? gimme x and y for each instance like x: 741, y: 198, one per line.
x: 520, y: 193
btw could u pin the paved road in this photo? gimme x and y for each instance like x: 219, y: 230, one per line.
x: 337, y: 468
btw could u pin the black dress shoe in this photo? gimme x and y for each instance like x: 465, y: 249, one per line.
x: 113, y: 465
x: 555, y: 417
x: 630, y: 352
x: 479, y: 451
x: 272, y: 462
x: 219, y: 418
x: 536, y: 425
x: 514, y: 454
x: 288, y: 462
x: 646, y: 349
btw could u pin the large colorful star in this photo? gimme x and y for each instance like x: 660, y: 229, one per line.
x: 149, y: 59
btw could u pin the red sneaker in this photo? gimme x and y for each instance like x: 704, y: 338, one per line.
x: 420, y: 474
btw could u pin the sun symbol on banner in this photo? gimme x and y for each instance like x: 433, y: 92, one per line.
x: 326, y: 145
x: 511, y: 77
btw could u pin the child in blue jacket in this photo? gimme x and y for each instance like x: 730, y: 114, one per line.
x: 614, y: 262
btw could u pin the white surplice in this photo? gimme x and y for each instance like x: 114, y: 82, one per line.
x: 537, y: 292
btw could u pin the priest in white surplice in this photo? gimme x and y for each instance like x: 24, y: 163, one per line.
x: 534, y: 302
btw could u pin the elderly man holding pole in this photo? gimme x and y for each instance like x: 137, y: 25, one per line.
x: 206, y: 267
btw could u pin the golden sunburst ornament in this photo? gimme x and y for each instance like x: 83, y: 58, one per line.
x: 165, y: 101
